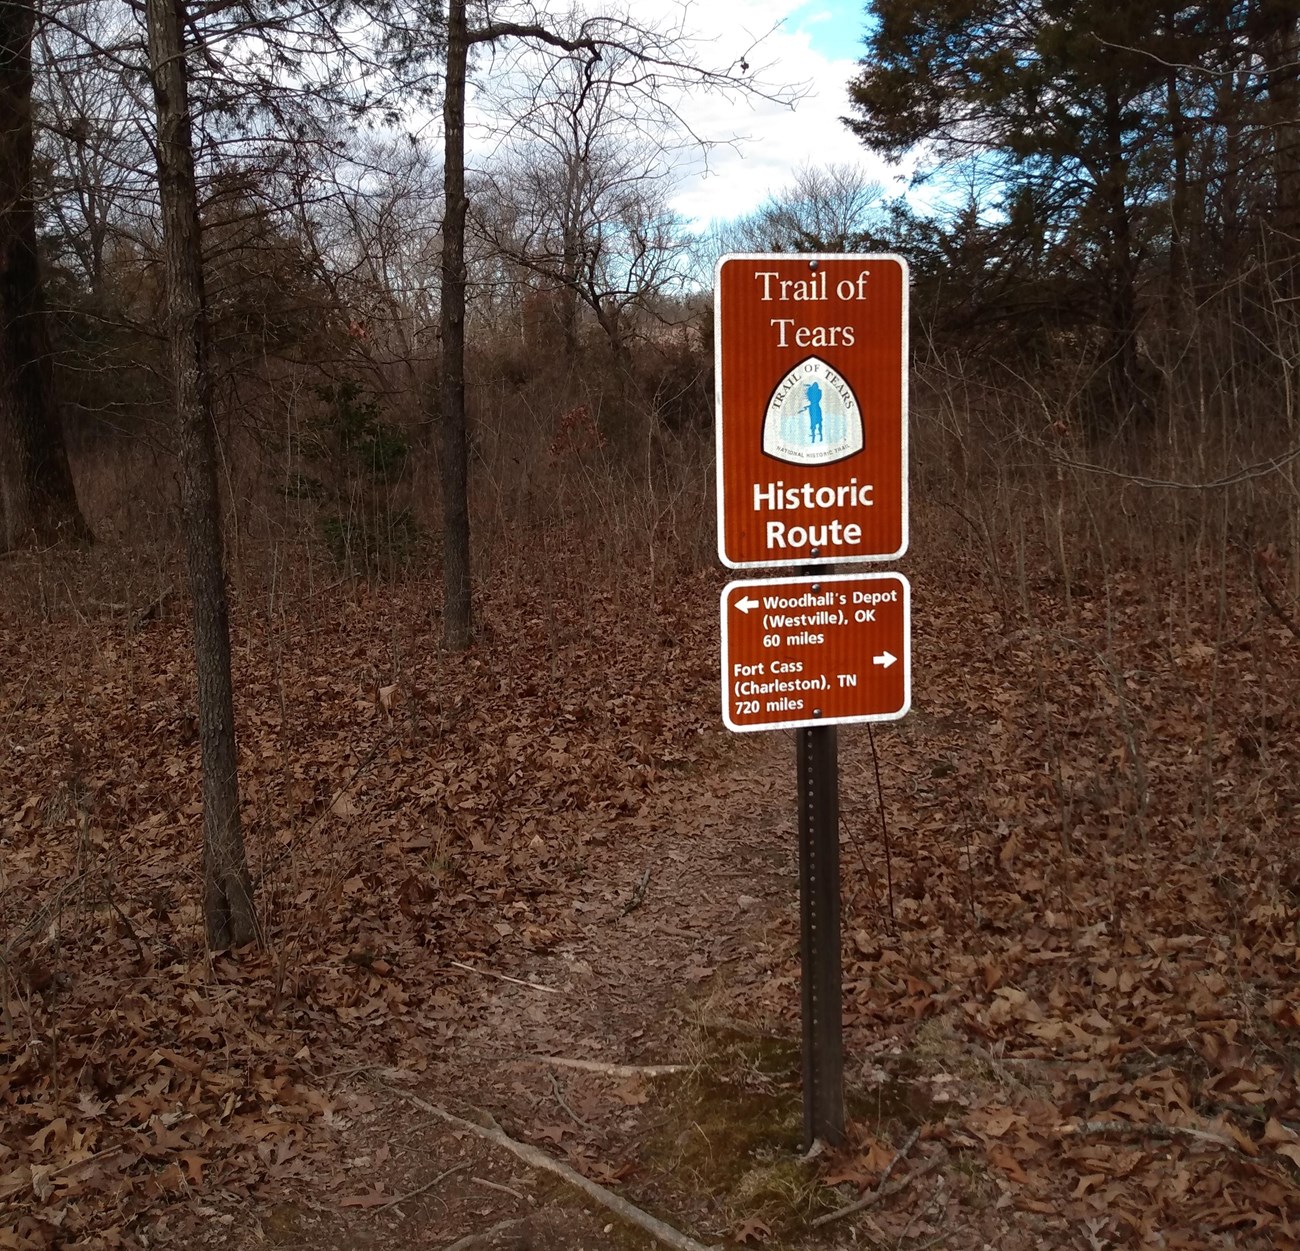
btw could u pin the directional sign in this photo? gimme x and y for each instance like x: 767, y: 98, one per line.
x: 816, y: 651
x: 811, y: 409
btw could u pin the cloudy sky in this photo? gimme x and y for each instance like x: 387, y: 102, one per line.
x: 815, y: 43
x: 756, y: 145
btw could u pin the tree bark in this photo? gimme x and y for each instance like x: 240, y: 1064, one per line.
x: 1121, y: 268
x: 1283, y: 60
x: 1180, y: 202
x: 571, y: 245
x: 228, y: 909
x: 457, y: 619
x: 38, y: 503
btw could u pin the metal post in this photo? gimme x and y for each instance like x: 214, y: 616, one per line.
x: 819, y: 906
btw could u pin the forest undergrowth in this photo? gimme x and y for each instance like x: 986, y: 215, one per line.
x: 1072, y: 912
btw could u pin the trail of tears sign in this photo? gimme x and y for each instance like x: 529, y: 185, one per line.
x: 812, y: 471
x: 811, y: 409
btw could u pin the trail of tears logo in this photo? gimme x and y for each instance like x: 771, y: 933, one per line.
x: 813, y: 416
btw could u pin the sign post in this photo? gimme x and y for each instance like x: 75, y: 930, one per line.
x: 817, y: 760
x: 812, y: 472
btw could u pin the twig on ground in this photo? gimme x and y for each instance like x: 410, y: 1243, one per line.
x: 419, y: 1190
x: 884, y: 1187
x: 674, y: 931
x: 99, y: 1159
x: 613, y: 1070
x: 338, y: 1074
x: 638, y: 892
x: 629, y: 1212
x: 899, y: 1156
x: 503, y: 977
x: 993, y: 1057
x: 560, y: 1099
x: 471, y: 1242
x: 41, y: 916
x: 505, y: 1190
x: 1272, y: 600
x: 1150, y: 1129
x: 878, y: 1195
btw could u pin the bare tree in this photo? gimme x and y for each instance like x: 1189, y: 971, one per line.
x: 580, y: 199
x: 91, y: 136
x: 227, y: 888
x: 825, y: 208
x: 457, y: 610
x: 38, y: 502
x: 249, y: 86
x: 661, y: 63
x: 376, y: 234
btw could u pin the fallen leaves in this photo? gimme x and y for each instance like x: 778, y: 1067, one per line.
x: 435, y: 809
x: 1092, y: 923
x: 1091, y: 945
x: 751, y: 1230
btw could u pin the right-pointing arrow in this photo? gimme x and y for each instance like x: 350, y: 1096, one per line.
x: 884, y: 660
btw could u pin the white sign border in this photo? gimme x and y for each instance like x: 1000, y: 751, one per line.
x: 805, y: 560
x: 763, y: 584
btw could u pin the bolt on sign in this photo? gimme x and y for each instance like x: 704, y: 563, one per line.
x: 811, y: 409
x: 816, y: 651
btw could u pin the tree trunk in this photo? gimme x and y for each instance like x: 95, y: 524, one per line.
x: 1121, y: 270
x: 569, y: 257
x: 1283, y: 59
x: 1180, y: 201
x: 38, y: 503
x: 227, y: 889
x: 457, y: 619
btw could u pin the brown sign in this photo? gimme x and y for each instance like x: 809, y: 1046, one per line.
x: 816, y: 651
x: 811, y: 408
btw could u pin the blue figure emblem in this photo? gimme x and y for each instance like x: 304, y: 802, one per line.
x: 815, y: 392
x: 814, y: 410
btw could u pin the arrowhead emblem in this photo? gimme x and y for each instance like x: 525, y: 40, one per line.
x: 813, y: 416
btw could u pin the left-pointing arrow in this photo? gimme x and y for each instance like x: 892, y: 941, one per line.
x: 746, y: 604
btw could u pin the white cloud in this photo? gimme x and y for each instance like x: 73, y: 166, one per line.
x: 769, y: 141
x: 756, y: 144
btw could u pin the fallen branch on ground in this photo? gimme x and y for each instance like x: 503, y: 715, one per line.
x: 884, y: 1187
x: 613, y: 1070
x: 564, y: 1103
x: 503, y: 977
x: 629, y: 1212
x: 471, y: 1242
x: 638, y: 892
x: 505, y: 1190
x: 1270, y: 597
x: 1152, y: 1129
x: 419, y: 1190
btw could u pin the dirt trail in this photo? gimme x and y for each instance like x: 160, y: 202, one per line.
x: 679, y: 913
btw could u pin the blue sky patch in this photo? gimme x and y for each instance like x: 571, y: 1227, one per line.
x: 834, y: 27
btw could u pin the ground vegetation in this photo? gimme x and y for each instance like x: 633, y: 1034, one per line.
x: 520, y: 892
